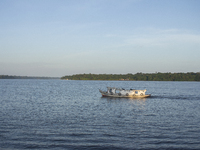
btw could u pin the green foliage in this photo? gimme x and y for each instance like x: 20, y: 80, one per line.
x: 190, y: 76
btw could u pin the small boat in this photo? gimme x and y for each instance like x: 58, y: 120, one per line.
x: 119, y: 92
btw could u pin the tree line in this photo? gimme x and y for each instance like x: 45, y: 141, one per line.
x: 24, y: 77
x: 190, y: 76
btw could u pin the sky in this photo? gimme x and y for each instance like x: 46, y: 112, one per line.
x: 63, y: 37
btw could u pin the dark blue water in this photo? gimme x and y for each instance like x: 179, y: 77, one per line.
x: 58, y: 114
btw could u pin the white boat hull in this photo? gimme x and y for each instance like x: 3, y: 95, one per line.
x: 125, y: 93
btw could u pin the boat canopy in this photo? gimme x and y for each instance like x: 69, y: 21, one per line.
x: 121, y: 89
x: 114, y: 88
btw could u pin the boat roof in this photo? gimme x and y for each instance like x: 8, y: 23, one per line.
x: 120, y: 89
x: 114, y: 88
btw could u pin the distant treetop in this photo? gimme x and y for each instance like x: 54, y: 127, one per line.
x: 190, y: 76
x: 24, y: 77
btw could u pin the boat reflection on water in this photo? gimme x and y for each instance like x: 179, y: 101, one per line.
x: 133, y: 106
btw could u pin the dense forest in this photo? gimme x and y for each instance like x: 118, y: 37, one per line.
x: 190, y: 76
x: 24, y: 77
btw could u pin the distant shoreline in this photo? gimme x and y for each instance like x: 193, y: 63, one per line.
x: 25, y: 77
x: 190, y: 76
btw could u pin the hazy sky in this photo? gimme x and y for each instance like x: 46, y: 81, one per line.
x: 64, y: 37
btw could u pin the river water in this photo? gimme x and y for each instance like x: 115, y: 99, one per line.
x: 60, y: 114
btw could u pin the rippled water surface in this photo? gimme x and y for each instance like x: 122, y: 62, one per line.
x: 59, y: 114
